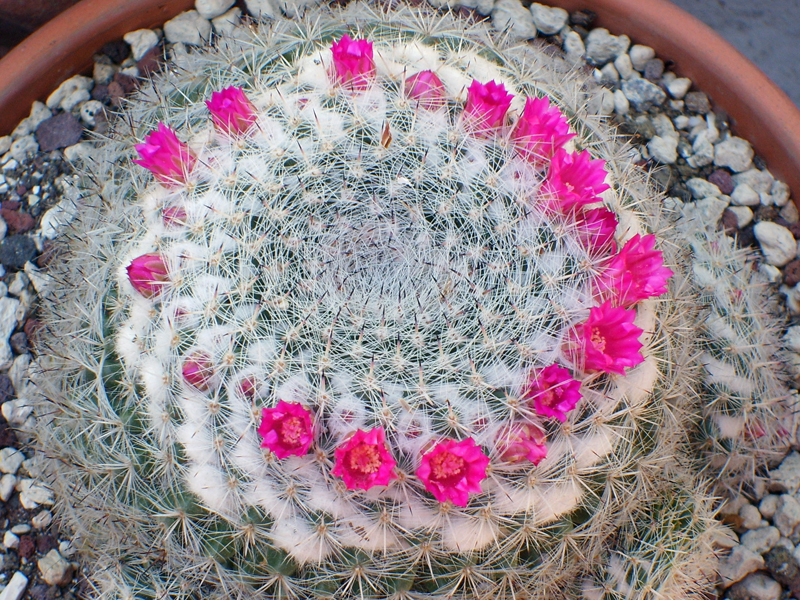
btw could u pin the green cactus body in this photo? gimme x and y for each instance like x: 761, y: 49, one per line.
x: 382, y: 266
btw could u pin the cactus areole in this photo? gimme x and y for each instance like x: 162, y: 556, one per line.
x: 378, y: 319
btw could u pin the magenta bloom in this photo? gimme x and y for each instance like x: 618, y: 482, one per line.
x: 541, y: 130
x: 636, y: 273
x: 231, y: 111
x: 166, y: 157
x: 287, y: 429
x: 487, y: 105
x: 607, y: 341
x: 148, y: 274
x: 452, y: 470
x: 364, y: 460
x: 197, y: 370
x: 353, y: 62
x: 520, y: 441
x: 574, y: 180
x: 596, y: 228
x: 553, y: 391
x: 427, y: 89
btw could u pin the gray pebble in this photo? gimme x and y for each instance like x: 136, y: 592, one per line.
x: 734, y: 153
x: 738, y: 564
x: 744, y: 195
x: 261, y: 9
x: 702, y: 188
x: 548, y: 20
x: 511, y: 17
x: 189, y: 28
x: 210, y: 9
x: 640, y: 55
x: 779, y: 248
x: 663, y: 149
x: 762, y: 539
x: 787, y: 513
x: 751, y: 518
x: 755, y: 586
x: 697, y: 102
x: 642, y: 93
x: 573, y: 47
x: 141, y: 41
x: 602, y: 47
x: 654, y: 69
x: 744, y: 216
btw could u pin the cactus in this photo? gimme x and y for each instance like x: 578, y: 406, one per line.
x: 354, y: 338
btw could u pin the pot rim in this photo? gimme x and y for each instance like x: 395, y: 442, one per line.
x: 760, y: 111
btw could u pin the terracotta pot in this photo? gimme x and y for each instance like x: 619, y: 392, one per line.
x: 760, y: 111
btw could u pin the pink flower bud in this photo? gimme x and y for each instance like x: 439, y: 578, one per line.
x: 167, y: 158
x: 607, y: 341
x: 553, y: 392
x: 287, y: 429
x: 635, y: 274
x: 364, y: 461
x: 540, y: 131
x: 233, y: 114
x: 427, y: 89
x: 521, y: 441
x: 453, y: 470
x: 353, y: 63
x: 148, y: 274
x: 198, y: 370
x: 487, y: 105
x: 174, y: 216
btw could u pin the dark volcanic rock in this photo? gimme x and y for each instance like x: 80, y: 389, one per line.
x: 16, y: 250
x: 59, y: 132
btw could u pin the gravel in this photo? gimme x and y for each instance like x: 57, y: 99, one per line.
x: 714, y: 175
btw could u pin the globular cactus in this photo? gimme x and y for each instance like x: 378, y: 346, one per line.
x: 367, y: 331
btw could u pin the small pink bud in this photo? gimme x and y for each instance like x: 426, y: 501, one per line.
x: 197, y: 370
x: 364, y: 461
x: 174, y: 216
x: 486, y: 107
x: 427, y: 89
x: 452, y: 470
x: 233, y: 114
x: 521, y: 441
x: 353, y: 63
x: 287, y: 429
x: 167, y: 158
x: 148, y: 274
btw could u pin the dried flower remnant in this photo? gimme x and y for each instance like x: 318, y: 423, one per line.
x: 148, y: 274
x: 231, y: 111
x: 287, y: 429
x: 165, y: 156
x: 521, y: 441
x: 353, y: 63
x: 364, y: 461
x: 553, y: 391
x: 452, y: 470
x: 636, y: 273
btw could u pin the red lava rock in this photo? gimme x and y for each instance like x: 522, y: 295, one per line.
x: 21, y: 190
x: 795, y: 229
x: 100, y: 93
x: 117, y: 51
x: 59, y: 132
x: 45, y: 543
x: 791, y: 273
x: 19, y: 343
x: 723, y: 180
x: 26, y: 547
x: 126, y: 82
x: 729, y: 223
x: 7, y: 391
x: 11, y: 205
x: 150, y: 62
x: 7, y: 436
x: 18, y: 222
x: 47, y: 255
x: 31, y: 328
x: 115, y: 93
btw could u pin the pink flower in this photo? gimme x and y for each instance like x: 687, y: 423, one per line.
x: 148, y: 274
x: 596, y: 228
x: 519, y: 441
x: 573, y: 180
x: 636, y: 273
x: 553, y: 391
x: 197, y: 370
x: 607, y: 341
x: 364, y: 460
x: 452, y: 470
x: 353, y: 62
x: 540, y: 131
x: 427, y: 89
x: 287, y: 429
x: 487, y: 105
x: 166, y: 157
x: 231, y: 111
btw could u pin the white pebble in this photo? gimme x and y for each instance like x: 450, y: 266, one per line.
x: 10, y: 540
x: 738, y: 564
x: 7, y: 485
x: 21, y: 529
x: 210, y: 9
x: 787, y: 515
x: 11, y: 460
x: 42, y: 519
x: 702, y: 188
x: 663, y: 149
x: 751, y: 518
x: 621, y: 104
x: 771, y: 274
x: 15, y: 588
x: 548, y: 20
x: 744, y: 215
x: 761, y: 540
x: 188, y: 28
x: 640, y: 55
x: 678, y: 88
x: 573, y: 47
x: 602, y: 47
x: 734, y: 153
x: 509, y: 16
x: 261, y: 9
x: 71, y: 85
x: 227, y: 23
x: 777, y: 243
x: 744, y: 195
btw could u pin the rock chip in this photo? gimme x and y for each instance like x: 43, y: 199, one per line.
x: 59, y: 132
x: 602, y: 47
x: 573, y: 47
x: 188, y: 28
x: 31, y: 495
x: 10, y: 540
x: 777, y: 243
x: 744, y: 215
x: 15, y: 588
x: 734, y: 153
x: 10, y: 460
x: 663, y: 149
x: 210, y: 9
x: 702, y: 188
x: 738, y: 564
x: 226, y: 24
x: 510, y: 16
x: 642, y: 93
x: 141, y: 41
x: 678, y: 87
x: 697, y: 102
x: 755, y: 586
x: 261, y: 9
x: 54, y: 569
x: 640, y: 55
x: 7, y: 485
x: 68, y: 90
x: 548, y: 20
x: 16, y: 250
x: 782, y: 565
x: 762, y: 539
x: 744, y: 195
